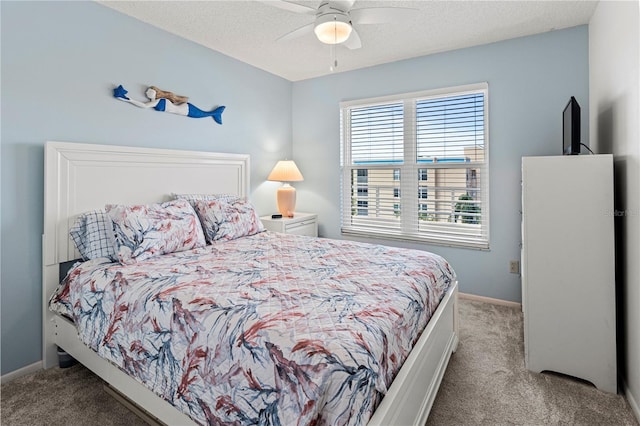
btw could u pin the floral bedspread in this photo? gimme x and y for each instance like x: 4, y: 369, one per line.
x: 268, y: 329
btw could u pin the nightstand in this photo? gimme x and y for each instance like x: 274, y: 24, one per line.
x: 299, y: 224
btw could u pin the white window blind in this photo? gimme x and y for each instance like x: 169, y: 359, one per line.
x: 415, y: 167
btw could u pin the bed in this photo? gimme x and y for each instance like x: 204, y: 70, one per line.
x: 82, y: 177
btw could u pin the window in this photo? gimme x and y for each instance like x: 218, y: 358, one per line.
x: 362, y: 178
x: 363, y: 208
x: 415, y: 167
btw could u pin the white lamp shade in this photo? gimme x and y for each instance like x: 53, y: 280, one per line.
x: 285, y: 171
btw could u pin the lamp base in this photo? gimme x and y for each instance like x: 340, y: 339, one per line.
x: 286, y: 197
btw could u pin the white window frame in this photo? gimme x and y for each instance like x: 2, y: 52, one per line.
x: 409, y: 229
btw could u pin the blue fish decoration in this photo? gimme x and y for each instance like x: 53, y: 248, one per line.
x: 168, y: 102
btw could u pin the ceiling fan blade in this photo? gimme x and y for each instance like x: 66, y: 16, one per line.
x: 380, y: 15
x: 304, y: 30
x: 353, y: 42
x: 291, y: 7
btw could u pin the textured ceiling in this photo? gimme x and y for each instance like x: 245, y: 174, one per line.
x: 247, y: 30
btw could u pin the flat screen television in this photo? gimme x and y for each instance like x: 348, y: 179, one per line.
x: 571, y: 128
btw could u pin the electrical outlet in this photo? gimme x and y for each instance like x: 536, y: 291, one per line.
x: 514, y: 266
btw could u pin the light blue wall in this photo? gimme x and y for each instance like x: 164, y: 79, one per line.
x: 530, y: 81
x: 60, y: 62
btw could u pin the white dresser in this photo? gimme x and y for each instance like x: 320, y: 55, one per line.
x: 568, y: 280
x: 299, y: 224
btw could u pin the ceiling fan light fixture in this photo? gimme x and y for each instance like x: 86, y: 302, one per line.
x: 333, y: 28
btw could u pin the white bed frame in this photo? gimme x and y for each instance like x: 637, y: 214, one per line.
x: 81, y: 177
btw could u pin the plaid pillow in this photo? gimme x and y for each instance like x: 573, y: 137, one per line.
x: 91, y: 233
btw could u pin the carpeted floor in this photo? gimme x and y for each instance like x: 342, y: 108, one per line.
x: 72, y: 397
x: 486, y: 383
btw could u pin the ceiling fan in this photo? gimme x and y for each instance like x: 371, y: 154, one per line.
x: 335, y: 19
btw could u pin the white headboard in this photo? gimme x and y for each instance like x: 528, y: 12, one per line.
x: 82, y: 177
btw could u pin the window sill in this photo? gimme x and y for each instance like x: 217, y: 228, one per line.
x: 473, y: 245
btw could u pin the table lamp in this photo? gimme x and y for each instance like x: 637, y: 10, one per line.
x: 286, y: 171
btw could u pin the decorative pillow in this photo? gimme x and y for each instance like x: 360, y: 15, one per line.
x: 144, y: 231
x: 223, y: 220
x: 193, y: 198
x: 91, y: 233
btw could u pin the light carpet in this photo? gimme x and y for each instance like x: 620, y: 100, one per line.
x: 486, y: 383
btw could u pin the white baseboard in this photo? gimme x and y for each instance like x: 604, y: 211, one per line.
x: 32, y: 368
x: 633, y: 401
x: 489, y: 300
